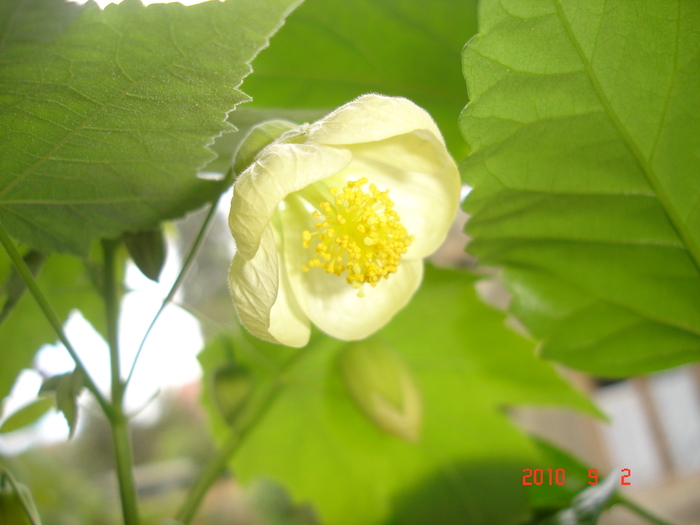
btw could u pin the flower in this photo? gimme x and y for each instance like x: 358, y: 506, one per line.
x: 332, y: 221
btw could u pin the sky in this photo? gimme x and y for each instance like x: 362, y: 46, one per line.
x: 169, y: 357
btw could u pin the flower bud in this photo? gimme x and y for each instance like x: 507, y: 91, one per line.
x: 260, y: 136
x: 383, y: 387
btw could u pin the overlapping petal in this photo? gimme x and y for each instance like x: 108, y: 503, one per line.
x: 279, y: 171
x: 263, y: 296
x: 371, y: 118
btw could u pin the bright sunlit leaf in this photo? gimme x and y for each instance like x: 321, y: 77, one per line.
x: 584, y: 124
x: 104, y: 124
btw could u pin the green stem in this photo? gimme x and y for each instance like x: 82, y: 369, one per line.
x: 50, y: 315
x: 196, y: 246
x: 642, y: 512
x: 252, y: 414
x: 125, y: 476
x: 29, y: 509
x: 117, y: 419
x: 111, y: 299
x: 218, y: 463
x: 207, y: 477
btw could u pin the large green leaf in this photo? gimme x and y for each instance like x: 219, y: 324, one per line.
x: 331, y: 51
x: 584, y: 125
x: 103, y: 127
x: 466, y: 467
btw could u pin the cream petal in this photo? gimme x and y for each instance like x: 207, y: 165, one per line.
x: 333, y: 305
x: 423, y: 182
x: 370, y: 118
x: 280, y: 170
x: 329, y: 301
x: 263, y: 297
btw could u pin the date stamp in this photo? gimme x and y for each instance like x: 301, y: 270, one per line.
x: 550, y: 476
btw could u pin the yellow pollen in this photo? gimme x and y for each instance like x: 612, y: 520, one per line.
x: 359, y: 233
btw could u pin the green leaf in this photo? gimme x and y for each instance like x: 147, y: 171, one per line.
x: 32, y: 21
x: 331, y: 51
x: 67, y: 286
x: 547, y: 499
x: 103, y: 129
x: 466, y: 466
x: 584, y: 126
x: 26, y: 415
x: 148, y: 250
x: 66, y: 387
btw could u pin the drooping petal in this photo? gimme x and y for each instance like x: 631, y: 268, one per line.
x: 335, y: 308
x: 329, y: 301
x: 280, y: 170
x: 371, y: 118
x: 423, y: 182
x: 264, y: 300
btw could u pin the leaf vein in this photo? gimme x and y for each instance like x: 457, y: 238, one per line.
x: 677, y: 224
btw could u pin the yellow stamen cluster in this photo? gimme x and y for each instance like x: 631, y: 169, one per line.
x: 359, y: 233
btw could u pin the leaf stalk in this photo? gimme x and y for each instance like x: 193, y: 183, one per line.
x: 50, y: 315
x: 189, y: 260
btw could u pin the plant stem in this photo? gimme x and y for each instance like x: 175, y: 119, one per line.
x: 50, y: 315
x: 208, y: 476
x: 117, y: 420
x: 254, y: 411
x: 218, y: 463
x: 123, y: 456
x: 642, y: 512
x: 111, y: 299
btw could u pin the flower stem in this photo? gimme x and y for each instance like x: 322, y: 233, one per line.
x: 194, y: 250
x: 50, y: 315
x: 208, y: 476
x: 233, y: 441
x: 254, y: 411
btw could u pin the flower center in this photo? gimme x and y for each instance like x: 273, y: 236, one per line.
x: 359, y: 233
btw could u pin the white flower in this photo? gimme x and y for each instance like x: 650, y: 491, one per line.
x: 332, y: 221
